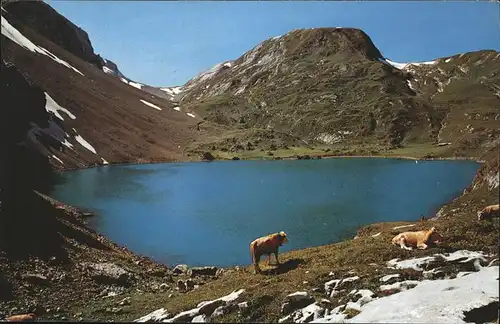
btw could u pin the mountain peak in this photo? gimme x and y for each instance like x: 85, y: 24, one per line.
x: 326, y: 41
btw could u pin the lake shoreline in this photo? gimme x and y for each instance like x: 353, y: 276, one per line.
x: 291, y: 157
x: 391, y: 160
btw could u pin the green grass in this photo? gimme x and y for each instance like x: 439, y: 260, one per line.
x: 417, y: 151
x: 421, y: 151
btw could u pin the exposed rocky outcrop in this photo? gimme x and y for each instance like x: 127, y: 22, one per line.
x: 488, y: 175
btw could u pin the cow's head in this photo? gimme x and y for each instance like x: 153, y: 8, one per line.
x: 435, y: 237
x: 282, y: 238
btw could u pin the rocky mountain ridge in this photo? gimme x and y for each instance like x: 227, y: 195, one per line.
x: 332, y: 85
x: 39, y: 16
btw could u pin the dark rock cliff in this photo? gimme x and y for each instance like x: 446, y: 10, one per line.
x: 23, y: 168
x: 53, y: 26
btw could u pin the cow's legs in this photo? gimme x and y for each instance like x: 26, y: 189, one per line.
x: 422, y: 246
x: 256, y: 263
x: 402, y: 244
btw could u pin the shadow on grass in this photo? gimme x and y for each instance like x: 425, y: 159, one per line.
x: 284, y: 267
x: 444, y: 248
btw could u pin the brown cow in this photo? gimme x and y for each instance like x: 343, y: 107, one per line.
x: 267, y: 245
x: 418, y: 239
x: 488, y: 212
x: 21, y: 318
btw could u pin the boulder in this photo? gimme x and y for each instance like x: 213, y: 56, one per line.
x: 242, y: 306
x: 390, y: 278
x: 295, y: 301
x: 203, y: 271
x: 125, y: 301
x: 181, y: 286
x: 199, y: 319
x: 156, y: 316
x: 219, y: 311
x: 109, y: 273
x: 36, y: 279
x: 189, y: 284
x: 304, y: 315
x: 207, y: 308
x: 180, y: 269
x: 433, y: 274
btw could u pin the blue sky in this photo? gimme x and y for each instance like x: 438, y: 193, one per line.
x: 165, y: 43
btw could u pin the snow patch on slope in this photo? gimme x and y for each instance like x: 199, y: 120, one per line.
x: 416, y: 263
x: 135, y: 85
x: 131, y: 83
x: 56, y: 158
x: 410, y: 85
x: 434, y: 301
x: 406, y: 66
x: 150, y: 104
x: 205, y: 308
x: 85, y: 144
x: 52, y: 106
x: 14, y: 35
x: 172, y: 91
x: 108, y: 70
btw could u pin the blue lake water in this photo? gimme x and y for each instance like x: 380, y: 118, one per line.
x: 203, y: 213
